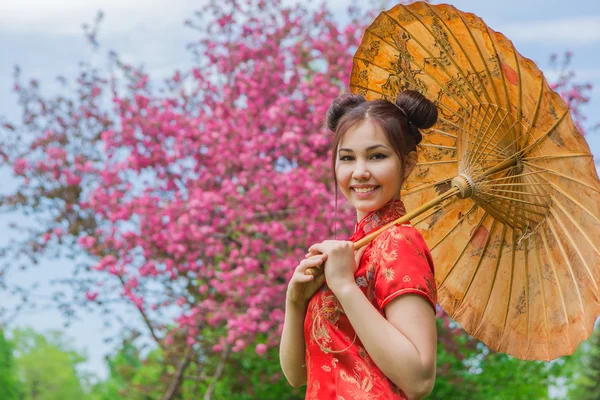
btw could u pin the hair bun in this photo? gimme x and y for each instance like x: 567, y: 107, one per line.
x: 340, y: 106
x: 420, y: 111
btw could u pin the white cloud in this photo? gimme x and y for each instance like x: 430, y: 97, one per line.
x: 578, y: 30
x: 65, y: 17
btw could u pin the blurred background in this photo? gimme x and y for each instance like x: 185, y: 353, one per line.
x: 145, y: 245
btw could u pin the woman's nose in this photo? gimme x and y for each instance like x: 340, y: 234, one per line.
x: 361, y: 172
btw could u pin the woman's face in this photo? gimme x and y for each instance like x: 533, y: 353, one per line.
x: 367, y: 168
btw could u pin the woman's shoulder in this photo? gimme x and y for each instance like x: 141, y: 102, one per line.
x: 400, y: 232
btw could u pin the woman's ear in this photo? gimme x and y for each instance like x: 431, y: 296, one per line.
x: 410, y: 160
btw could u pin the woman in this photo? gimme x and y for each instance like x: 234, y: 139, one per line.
x: 369, y: 332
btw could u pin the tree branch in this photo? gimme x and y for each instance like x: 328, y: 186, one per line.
x: 218, y: 373
x: 178, y: 378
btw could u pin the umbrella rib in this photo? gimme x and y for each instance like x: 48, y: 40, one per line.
x: 495, y: 144
x: 503, y: 150
x: 419, y: 188
x: 421, y: 68
x: 518, y: 184
x: 510, y: 284
x: 543, y: 136
x: 535, y: 114
x: 438, y: 162
x: 481, y: 257
x: 483, y: 134
x: 527, y: 291
x: 581, y: 230
x: 560, y: 291
x: 554, y: 157
x: 481, y: 84
x: 483, y: 61
x: 454, y: 227
x: 574, y: 245
x: 571, y: 273
x: 498, y: 258
x: 497, y: 196
x: 439, y: 117
x: 512, y: 176
x: 441, y: 285
x: 424, y: 217
x: 544, y: 302
x: 438, y: 146
x: 553, y: 172
x: 520, y: 89
x: 500, y: 71
x: 441, y: 67
x: 515, y: 219
x: 443, y: 132
x: 558, y: 189
x: 519, y: 192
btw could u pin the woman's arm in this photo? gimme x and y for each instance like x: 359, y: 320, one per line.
x: 292, y: 348
x: 403, y: 346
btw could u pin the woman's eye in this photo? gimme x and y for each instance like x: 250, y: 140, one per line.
x: 345, y: 158
x: 378, y: 156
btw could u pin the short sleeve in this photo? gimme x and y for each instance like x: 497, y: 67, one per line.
x: 403, y: 265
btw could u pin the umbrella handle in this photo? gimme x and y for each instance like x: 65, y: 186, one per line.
x: 316, y: 271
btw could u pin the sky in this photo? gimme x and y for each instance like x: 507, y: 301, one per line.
x: 44, y: 37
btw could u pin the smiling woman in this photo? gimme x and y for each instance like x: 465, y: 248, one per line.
x: 344, y: 338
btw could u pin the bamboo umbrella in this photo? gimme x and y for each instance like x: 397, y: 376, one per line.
x: 505, y: 193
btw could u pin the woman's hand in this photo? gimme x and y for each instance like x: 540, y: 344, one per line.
x: 302, y: 286
x: 340, y: 265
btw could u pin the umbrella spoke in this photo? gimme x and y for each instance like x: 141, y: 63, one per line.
x: 423, y: 69
x: 519, y: 192
x: 558, y: 287
x: 544, y: 135
x: 511, y: 279
x: 467, y: 57
x: 454, y: 227
x: 482, y: 135
x: 423, y: 187
x: 569, y: 266
x: 543, y: 295
x: 553, y: 172
x: 535, y: 117
x: 481, y: 257
x: 443, y: 132
x: 496, y: 268
x: 577, y: 250
x: 441, y: 285
x: 440, y: 118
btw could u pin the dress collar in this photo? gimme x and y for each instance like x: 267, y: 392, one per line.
x: 374, y: 220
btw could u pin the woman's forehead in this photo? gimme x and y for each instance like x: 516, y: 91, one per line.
x: 364, y: 135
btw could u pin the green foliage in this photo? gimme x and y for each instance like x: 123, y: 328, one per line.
x: 249, y: 376
x: 586, y: 385
x: 47, y: 366
x: 9, y: 385
x: 468, y: 369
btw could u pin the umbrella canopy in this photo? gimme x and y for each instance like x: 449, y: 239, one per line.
x: 512, y: 213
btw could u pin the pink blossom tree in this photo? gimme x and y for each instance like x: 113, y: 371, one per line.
x: 193, y: 199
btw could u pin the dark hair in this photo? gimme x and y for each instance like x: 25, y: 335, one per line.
x: 400, y: 121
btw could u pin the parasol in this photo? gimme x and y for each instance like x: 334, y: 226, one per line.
x: 505, y: 193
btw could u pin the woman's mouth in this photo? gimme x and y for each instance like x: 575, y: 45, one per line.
x: 365, y: 191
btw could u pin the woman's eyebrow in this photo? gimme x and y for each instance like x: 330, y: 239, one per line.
x: 367, y: 149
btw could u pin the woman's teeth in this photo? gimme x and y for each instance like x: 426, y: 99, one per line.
x: 364, y: 190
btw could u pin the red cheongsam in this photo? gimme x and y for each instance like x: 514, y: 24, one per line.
x: 397, y: 262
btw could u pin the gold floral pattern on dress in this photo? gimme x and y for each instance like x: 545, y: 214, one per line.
x: 388, y: 274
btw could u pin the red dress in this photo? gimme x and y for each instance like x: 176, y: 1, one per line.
x: 397, y: 262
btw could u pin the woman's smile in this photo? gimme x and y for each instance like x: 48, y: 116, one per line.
x: 368, y: 170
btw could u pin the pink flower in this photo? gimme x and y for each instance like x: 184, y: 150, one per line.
x: 261, y: 349
x: 91, y: 296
